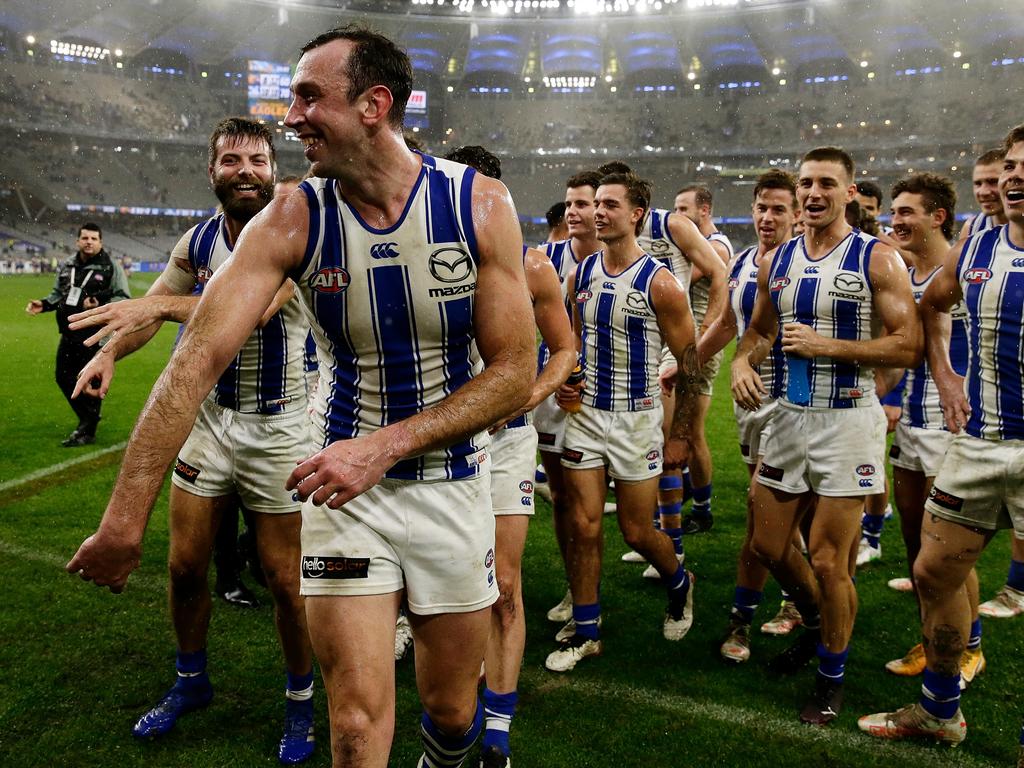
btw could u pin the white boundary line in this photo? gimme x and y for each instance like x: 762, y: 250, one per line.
x: 55, y: 468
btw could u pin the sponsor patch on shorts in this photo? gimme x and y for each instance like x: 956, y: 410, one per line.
x: 946, y: 500
x: 332, y: 567
x: 546, y: 438
x: 769, y: 472
x: 186, y: 472
x: 745, y: 449
x: 895, y: 451
x: 570, y: 455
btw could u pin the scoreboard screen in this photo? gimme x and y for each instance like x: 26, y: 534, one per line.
x: 268, y: 92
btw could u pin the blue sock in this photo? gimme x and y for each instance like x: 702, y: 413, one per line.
x: 299, y: 692
x: 701, y: 501
x: 678, y: 588
x: 832, y: 665
x: 191, y: 669
x: 871, y: 528
x: 940, y: 695
x: 744, y: 603
x: 676, y: 534
x: 974, y: 641
x: 687, y: 485
x: 586, y: 617
x: 443, y: 751
x: 809, y: 614
x: 499, y: 709
x: 1015, y: 578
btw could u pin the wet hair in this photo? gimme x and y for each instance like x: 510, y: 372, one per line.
x: 585, y: 179
x: 936, y: 191
x: 870, y: 189
x: 613, y: 166
x: 241, y: 128
x: 477, y: 157
x: 638, y: 192
x: 702, y: 194
x: 831, y: 155
x: 91, y: 226
x: 1015, y: 135
x: 375, y: 60
x: 776, y: 179
x: 555, y: 214
x: 992, y: 156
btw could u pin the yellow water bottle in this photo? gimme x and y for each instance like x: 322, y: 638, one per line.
x: 575, y: 381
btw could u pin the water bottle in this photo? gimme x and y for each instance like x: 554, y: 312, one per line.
x: 798, y: 380
x: 575, y: 380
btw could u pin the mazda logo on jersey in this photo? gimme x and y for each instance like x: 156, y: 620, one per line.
x: 450, y: 265
x: 636, y: 300
x: 848, y: 283
x: 384, y: 250
x: 977, y: 275
x: 329, y: 280
x: 657, y: 246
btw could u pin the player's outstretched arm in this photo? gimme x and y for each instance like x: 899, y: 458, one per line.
x: 942, y: 294
x: 747, y: 387
x: 720, y: 331
x: 675, y: 321
x: 503, y: 323
x: 232, y: 303
x: 901, y: 346
x: 705, y: 258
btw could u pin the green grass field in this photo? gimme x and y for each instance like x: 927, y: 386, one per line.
x: 80, y: 664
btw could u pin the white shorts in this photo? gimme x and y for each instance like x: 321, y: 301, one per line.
x: 434, y: 539
x: 754, y: 428
x: 549, y: 421
x: 629, y: 443
x: 829, y: 451
x: 919, y: 450
x: 981, y: 484
x: 248, y: 453
x: 513, y: 465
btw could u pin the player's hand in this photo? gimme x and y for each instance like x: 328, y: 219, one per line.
x: 342, y: 470
x: 955, y: 408
x: 34, y: 307
x: 747, y: 388
x: 892, y: 417
x: 803, y: 341
x: 94, y: 379
x: 667, y: 380
x: 677, y: 453
x: 117, y: 319
x: 105, y: 559
x: 568, y: 394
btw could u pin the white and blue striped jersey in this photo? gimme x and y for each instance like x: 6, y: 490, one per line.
x: 921, y: 406
x: 656, y: 240
x: 621, y: 341
x: 266, y: 375
x: 700, y: 291
x: 742, y: 294
x: 991, y: 275
x: 564, y: 260
x: 392, y: 312
x: 981, y: 223
x: 831, y: 294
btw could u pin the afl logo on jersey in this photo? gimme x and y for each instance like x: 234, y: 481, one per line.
x: 329, y: 280
x: 733, y: 283
x: 978, y: 275
x: 450, y: 265
x: 866, y: 470
x: 203, y: 274
x: 778, y: 284
x: 584, y: 295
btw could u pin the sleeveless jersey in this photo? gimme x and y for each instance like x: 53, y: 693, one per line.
x: 832, y: 295
x: 621, y: 341
x: 700, y: 291
x: 991, y: 275
x: 392, y: 312
x: 266, y: 375
x: 742, y: 293
x: 921, y: 406
x: 656, y: 240
x: 564, y: 260
x: 981, y: 223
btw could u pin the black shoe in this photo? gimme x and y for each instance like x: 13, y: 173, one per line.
x: 237, y: 594
x: 824, y: 704
x: 492, y: 757
x: 694, y: 524
x: 76, y: 439
x: 798, y: 655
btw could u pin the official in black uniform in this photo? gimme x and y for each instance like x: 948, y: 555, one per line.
x: 89, y: 279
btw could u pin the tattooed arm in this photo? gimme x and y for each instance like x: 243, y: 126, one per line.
x: 672, y: 307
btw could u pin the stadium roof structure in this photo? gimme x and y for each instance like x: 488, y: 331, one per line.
x: 748, y: 34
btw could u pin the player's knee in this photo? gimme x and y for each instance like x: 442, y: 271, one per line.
x: 451, y: 717
x: 187, y: 576
x: 930, y: 579
x: 829, y: 566
x: 767, y: 550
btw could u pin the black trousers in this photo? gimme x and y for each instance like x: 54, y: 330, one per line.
x: 71, y: 358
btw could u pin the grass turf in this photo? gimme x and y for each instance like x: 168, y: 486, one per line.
x: 81, y: 664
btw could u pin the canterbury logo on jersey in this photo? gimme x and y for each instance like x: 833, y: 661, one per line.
x: 329, y: 280
x: 810, y: 270
x: 384, y: 250
x: 450, y: 265
x: 1017, y: 263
